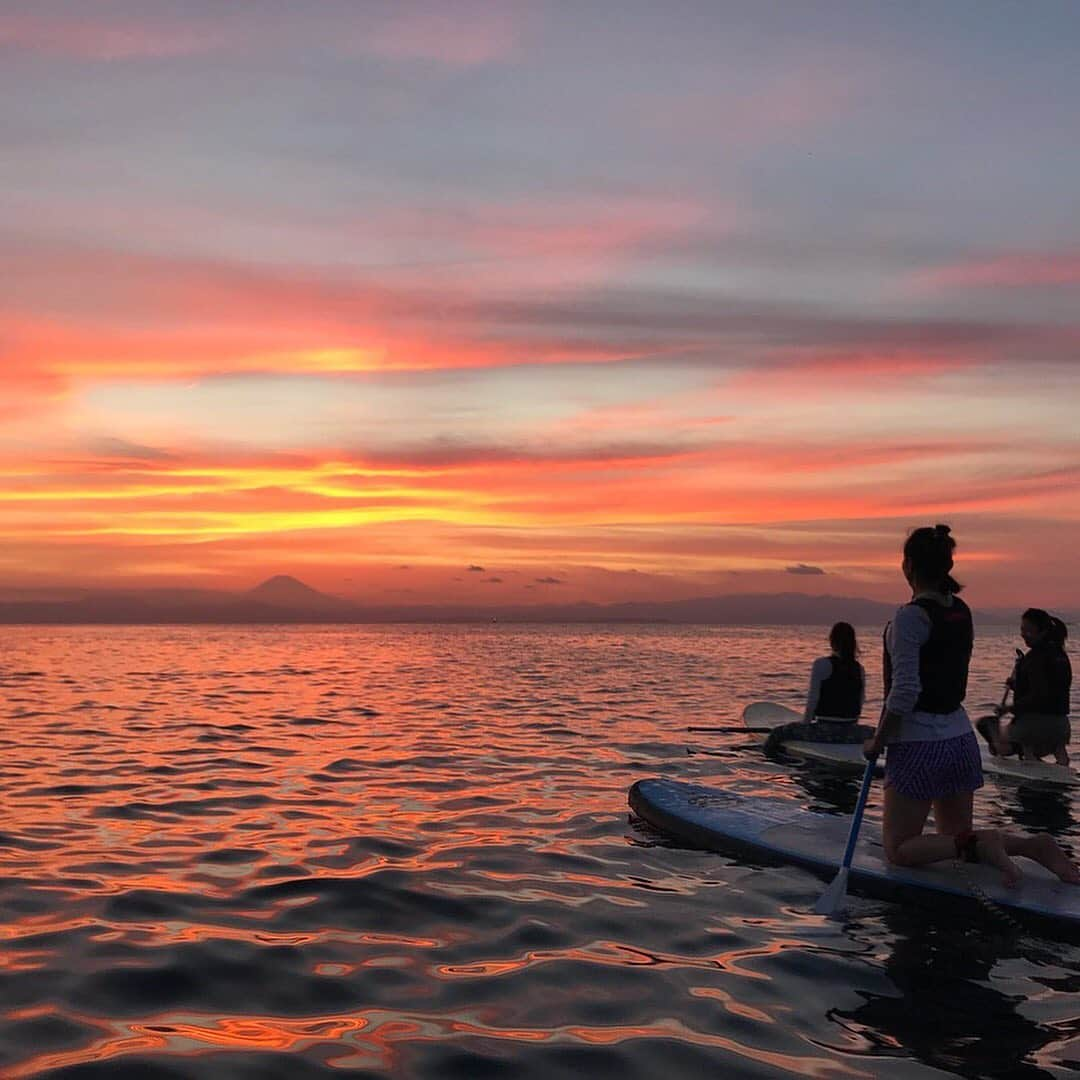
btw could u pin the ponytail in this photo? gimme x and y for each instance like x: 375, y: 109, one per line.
x: 1054, y: 629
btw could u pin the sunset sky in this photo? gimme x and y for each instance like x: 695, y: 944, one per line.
x: 539, y: 302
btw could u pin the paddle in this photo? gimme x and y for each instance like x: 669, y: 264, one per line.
x: 834, y: 898
x: 734, y: 729
x: 981, y: 725
x: 1005, y: 697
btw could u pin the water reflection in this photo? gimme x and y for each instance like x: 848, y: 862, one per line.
x: 948, y: 1008
x: 1040, y: 809
x: 828, y: 789
x: 292, y: 851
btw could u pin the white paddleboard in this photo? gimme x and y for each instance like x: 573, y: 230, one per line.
x: 768, y: 714
x: 710, y: 818
x: 849, y: 755
x: 1032, y: 772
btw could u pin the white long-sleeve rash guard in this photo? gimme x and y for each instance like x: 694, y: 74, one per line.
x: 908, y: 632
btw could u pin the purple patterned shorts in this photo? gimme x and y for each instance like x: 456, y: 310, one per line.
x: 934, y: 770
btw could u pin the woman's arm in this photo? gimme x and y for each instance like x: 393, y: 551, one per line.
x: 819, y: 672
x: 907, y: 634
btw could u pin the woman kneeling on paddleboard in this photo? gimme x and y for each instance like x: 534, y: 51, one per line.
x: 837, y: 681
x: 933, y: 756
x: 1040, y: 684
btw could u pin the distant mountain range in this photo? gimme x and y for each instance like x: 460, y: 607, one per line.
x: 284, y: 599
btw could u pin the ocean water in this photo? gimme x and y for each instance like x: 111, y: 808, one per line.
x: 406, y: 852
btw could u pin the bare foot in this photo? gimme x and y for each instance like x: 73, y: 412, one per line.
x: 1044, y: 849
x: 990, y: 849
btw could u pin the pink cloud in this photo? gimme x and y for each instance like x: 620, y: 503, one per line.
x: 98, y: 38
x: 1049, y: 488
x: 446, y: 35
x: 854, y: 370
x: 1016, y: 269
x: 27, y: 390
x: 108, y: 309
x: 795, y: 98
x: 458, y: 39
x: 532, y: 243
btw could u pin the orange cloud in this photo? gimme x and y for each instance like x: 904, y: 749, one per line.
x: 167, y: 496
x: 86, y: 311
x: 130, y: 513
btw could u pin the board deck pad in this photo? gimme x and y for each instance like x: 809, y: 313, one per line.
x: 849, y: 755
x: 711, y: 818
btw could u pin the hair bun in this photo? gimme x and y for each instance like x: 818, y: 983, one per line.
x: 942, y: 530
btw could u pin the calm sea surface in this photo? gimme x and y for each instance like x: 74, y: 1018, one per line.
x: 405, y: 851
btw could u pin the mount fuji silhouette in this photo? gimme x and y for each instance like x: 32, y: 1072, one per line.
x: 285, y: 599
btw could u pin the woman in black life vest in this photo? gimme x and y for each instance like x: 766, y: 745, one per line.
x: 1040, y: 684
x: 933, y: 756
x: 837, y: 681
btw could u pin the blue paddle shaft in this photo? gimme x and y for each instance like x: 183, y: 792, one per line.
x: 856, y: 818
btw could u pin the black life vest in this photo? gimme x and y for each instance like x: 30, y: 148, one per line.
x: 1055, y: 683
x: 841, y: 693
x: 943, y: 658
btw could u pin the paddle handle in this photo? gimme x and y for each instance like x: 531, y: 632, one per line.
x: 856, y: 818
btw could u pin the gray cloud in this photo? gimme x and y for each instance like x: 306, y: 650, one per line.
x: 109, y: 446
x: 803, y: 568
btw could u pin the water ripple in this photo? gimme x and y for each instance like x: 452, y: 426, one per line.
x: 405, y: 851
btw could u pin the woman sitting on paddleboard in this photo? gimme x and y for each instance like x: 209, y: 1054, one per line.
x: 1040, y: 685
x: 933, y: 756
x: 837, y: 681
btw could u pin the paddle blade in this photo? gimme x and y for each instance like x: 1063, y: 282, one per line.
x: 834, y: 897
x: 833, y: 900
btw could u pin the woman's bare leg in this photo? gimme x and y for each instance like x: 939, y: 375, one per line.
x: 990, y: 848
x: 1044, y: 849
x: 903, y: 820
x: 905, y: 844
x: 953, y: 815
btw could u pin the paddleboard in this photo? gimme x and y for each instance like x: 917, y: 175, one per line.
x: 709, y: 818
x: 1030, y: 772
x: 849, y: 755
x: 768, y: 714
